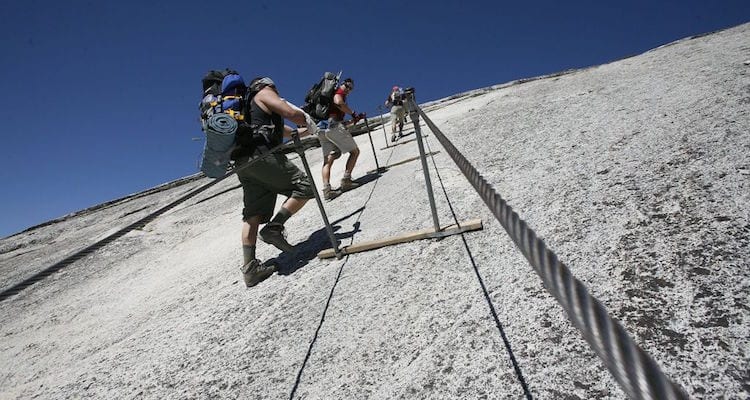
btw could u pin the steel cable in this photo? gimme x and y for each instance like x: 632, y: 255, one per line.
x: 17, y: 288
x: 637, y: 373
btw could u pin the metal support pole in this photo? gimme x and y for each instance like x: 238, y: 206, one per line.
x: 301, y: 151
x: 377, y: 166
x: 382, y: 123
x: 414, y: 116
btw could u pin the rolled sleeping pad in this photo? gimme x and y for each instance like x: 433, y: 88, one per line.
x: 220, y: 130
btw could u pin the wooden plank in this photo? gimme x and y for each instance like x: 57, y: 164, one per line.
x: 470, y: 225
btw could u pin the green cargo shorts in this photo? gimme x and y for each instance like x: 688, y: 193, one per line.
x: 267, y: 178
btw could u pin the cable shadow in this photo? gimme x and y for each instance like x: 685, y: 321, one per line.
x: 485, y: 292
x: 330, y: 296
x: 218, y: 194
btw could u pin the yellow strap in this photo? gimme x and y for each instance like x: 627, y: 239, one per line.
x: 236, y: 115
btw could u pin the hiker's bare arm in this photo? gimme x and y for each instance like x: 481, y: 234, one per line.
x: 269, y: 100
x: 341, y: 104
x: 288, y: 131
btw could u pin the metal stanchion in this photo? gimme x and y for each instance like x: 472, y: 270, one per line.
x: 377, y: 166
x: 414, y: 116
x: 382, y: 123
x: 428, y: 233
x: 301, y: 151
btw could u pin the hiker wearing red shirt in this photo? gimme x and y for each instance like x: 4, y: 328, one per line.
x: 336, y: 140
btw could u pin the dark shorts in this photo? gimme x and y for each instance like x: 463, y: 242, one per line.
x: 267, y: 178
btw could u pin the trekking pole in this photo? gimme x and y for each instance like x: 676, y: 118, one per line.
x: 377, y: 166
x: 301, y: 151
x: 414, y: 116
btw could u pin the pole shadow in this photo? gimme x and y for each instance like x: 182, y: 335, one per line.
x: 306, y: 250
x: 369, y: 177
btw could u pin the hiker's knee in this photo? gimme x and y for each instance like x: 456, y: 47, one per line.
x: 334, y: 155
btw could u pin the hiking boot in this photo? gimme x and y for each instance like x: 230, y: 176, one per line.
x: 273, y: 233
x: 393, y: 138
x: 254, y: 272
x: 348, y: 184
x: 330, y: 194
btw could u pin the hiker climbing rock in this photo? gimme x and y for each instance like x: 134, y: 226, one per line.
x: 336, y: 140
x: 268, y: 177
x: 398, y: 116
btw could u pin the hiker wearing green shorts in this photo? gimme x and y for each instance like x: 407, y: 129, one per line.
x: 268, y: 177
x: 336, y: 140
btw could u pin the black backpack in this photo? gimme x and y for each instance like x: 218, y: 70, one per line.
x: 396, y: 99
x: 320, y: 96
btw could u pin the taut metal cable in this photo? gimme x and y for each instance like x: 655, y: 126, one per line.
x: 17, y: 288
x: 637, y: 373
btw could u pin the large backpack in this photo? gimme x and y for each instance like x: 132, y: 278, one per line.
x: 223, y: 92
x: 320, y: 96
x: 222, y: 119
x: 397, y: 98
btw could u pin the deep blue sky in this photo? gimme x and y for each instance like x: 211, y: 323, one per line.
x: 100, y: 98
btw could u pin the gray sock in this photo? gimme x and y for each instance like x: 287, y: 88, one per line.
x: 248, y: 253
x: 282, y: 216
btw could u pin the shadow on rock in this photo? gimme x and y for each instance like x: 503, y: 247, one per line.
x: 365, y: 179
x: 289, y: 263
x: 218, y: 194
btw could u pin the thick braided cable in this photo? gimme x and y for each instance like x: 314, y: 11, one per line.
x: 639, y: 376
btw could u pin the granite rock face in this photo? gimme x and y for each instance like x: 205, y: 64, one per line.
x: 636, y: 174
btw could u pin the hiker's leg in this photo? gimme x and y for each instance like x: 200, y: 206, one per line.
x: 292, y: 205
x: 345, y: 144
x: 253, y: 271
x: 255, y: 200
x: 250, y: 231
x: 352, y: 161
x: 288, y: 180
x: 249, y: 238
x: 326, y: 172
x: 330, y: 154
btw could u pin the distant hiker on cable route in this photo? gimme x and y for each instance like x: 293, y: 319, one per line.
x: 268, y: 177
x: 396, y: 101
x: 336, y: 140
